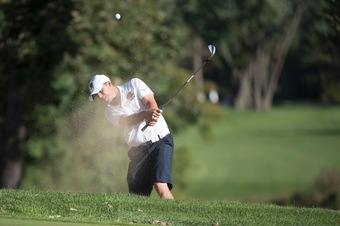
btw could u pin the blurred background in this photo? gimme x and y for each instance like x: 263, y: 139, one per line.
x: 260, y: 122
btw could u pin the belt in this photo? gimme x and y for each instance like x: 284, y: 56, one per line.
x: 160, y: 136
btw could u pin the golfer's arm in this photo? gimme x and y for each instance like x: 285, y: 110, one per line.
x: 133, y: 119
x: 150, y: 101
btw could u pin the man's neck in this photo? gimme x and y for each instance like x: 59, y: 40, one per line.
x: 116, y: 100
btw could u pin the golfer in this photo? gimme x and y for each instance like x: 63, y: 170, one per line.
x: 132, y: 106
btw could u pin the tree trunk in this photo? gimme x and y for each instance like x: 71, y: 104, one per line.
x: 13, y: 136
x: 243, y: 99
x: 280, y: 53
x: 261, y: 75
x: 259, y: 82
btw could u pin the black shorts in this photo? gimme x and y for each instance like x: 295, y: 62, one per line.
x: 149, y: 164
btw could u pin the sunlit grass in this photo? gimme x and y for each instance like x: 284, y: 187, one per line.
x: 262, y: 154
x: 27, y: 207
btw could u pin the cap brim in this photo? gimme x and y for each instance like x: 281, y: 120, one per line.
x: 91, y: 97
x: 93, y: 94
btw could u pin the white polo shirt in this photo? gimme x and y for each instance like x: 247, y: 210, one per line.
x: 131, y: 94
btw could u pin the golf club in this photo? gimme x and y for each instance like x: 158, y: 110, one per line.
x: 212, y: 50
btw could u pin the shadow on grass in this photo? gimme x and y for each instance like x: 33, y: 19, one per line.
x: 324, y: 132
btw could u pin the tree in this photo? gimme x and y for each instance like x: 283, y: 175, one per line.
x: 48, y: 53
x: 332, y: 16
x: 253, y: 38
x: 33, y: 40
x: 319, y: 51
x: 259, y: 79
x: 331, y: 82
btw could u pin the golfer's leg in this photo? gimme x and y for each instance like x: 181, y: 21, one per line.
x: 139, y: 171
x: 163, y: 167
x: 163, y: 190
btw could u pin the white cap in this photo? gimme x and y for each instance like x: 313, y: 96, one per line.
x: 96, y: 84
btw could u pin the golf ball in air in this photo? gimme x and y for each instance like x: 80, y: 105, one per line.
x: 117, y: 16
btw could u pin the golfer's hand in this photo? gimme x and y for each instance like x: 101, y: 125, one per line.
x: 152, y: 116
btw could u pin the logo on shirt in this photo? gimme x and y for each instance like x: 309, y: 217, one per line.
x: 130, y: 95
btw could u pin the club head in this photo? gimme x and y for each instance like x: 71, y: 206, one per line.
x: 212, y: 50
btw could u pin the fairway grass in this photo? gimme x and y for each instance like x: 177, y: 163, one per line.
x: 23, y: 207
x: 28, y: 222
x: 258, y: 155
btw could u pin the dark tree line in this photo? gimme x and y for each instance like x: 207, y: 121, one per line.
x: 32, y: 42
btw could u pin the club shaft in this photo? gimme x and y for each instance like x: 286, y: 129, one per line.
x: 186, y: 82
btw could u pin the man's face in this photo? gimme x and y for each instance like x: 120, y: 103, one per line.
x: 105, y: 94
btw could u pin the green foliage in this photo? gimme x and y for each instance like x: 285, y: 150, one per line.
x: 317, y: 57
x: 241, y: 28
x: 124, y: 209
x: 332, y: 16
x: 137, y: 43
x: 246, y: 24
x: 33, y: 41
x: 212, y: 114
x: 184, y: 109
x: 56, y: 49
x: 331, y: 92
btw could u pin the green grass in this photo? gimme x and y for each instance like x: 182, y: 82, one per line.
x: 253, y: 155
x: 257, y: 155
x: 28, y: 222
x: 27, y: 207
